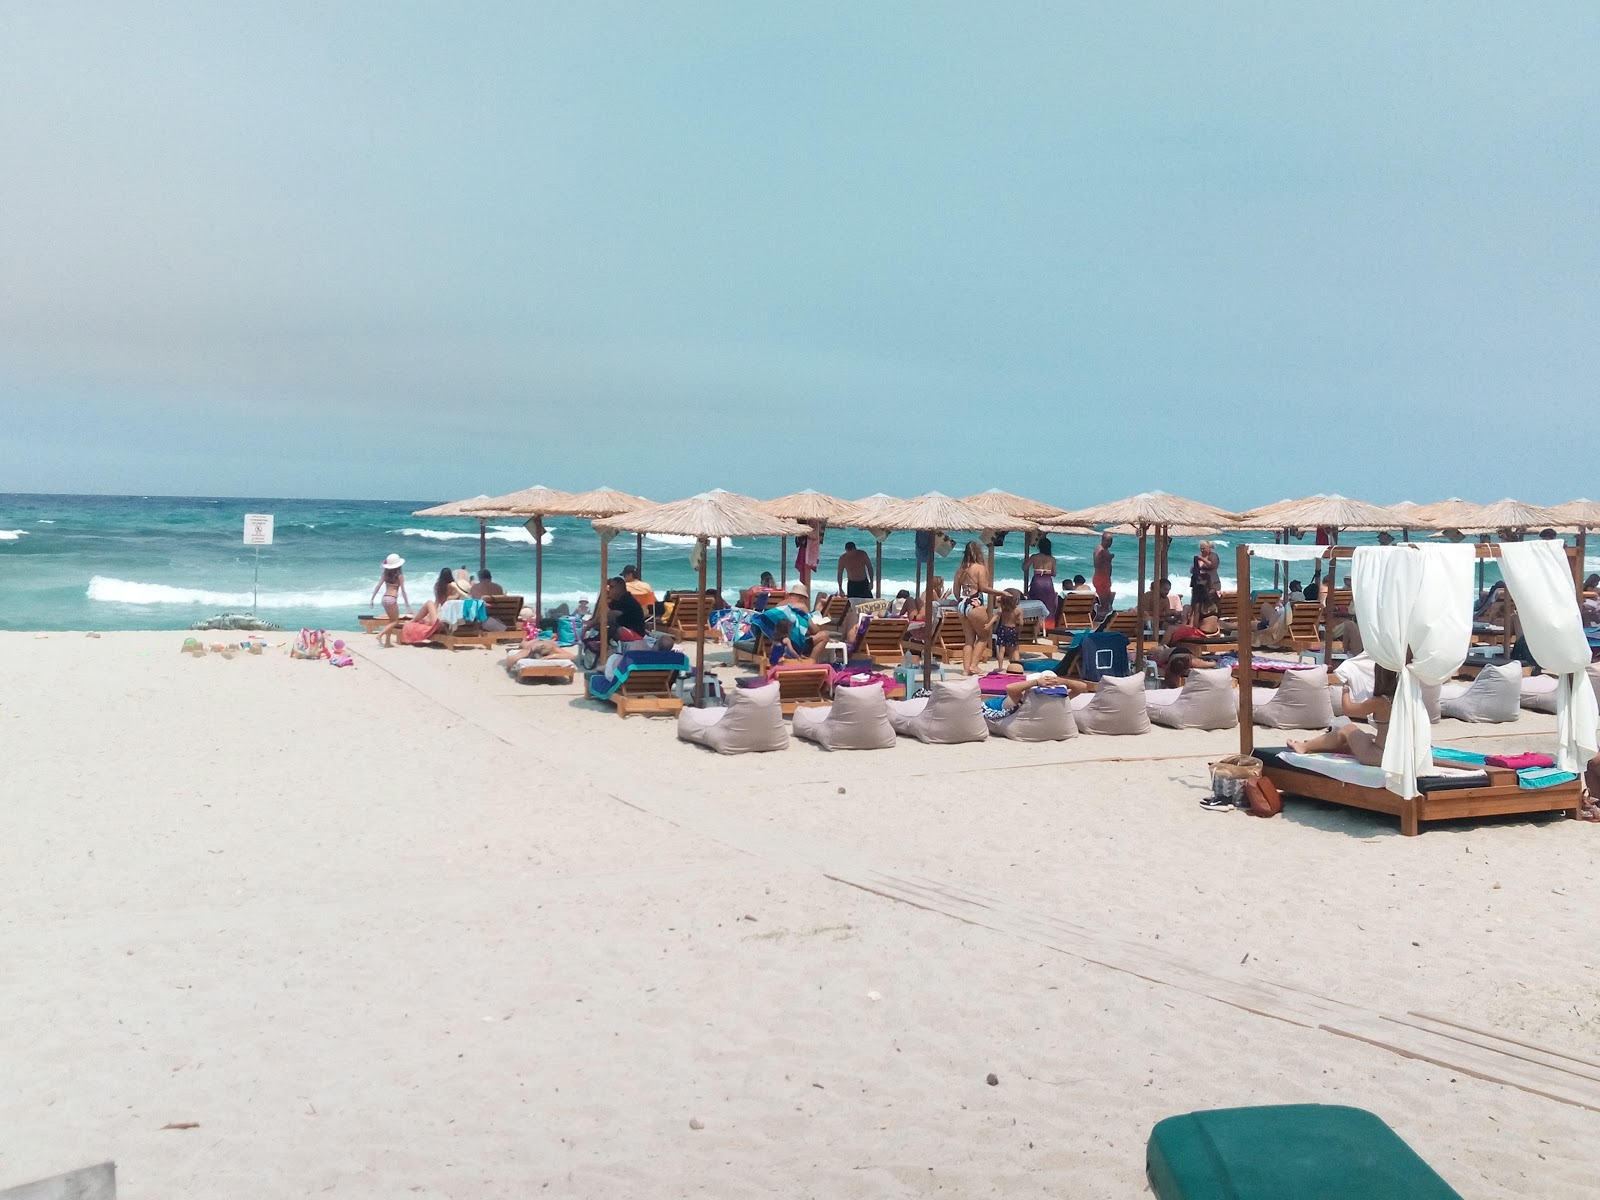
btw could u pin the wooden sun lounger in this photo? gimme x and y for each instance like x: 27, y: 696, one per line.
x: 1500, y: 797
x: 884, y: 640
x: 835, y: 607
x: 1305, y: 626
x: 545, y: 670
x: 468, y: 633
x: 802, y: 686
x: 647, y: 692
x: 1077, y: 614
x: 689, y: 612
x: 507, y: 610
x: 948, y: 638
x: 754, y: 654
x: 374, y: 623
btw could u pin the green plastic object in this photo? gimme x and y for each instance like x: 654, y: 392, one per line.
x: 1287, y: 1152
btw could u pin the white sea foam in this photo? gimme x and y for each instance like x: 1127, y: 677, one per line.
x: 495, y: 533
x: 12, y: 535
x: 45, y: 521
x: 127, y: 591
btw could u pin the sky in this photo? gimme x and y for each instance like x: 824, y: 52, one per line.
x: 1234, y: 251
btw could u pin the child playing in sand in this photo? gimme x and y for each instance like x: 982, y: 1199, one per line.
x: 1007, y: 628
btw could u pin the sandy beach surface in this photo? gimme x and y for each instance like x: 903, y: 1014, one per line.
x: 415, y: 929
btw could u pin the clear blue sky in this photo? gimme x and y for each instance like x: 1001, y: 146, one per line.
x: 406, y: 250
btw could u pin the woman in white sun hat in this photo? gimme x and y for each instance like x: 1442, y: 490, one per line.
x: 392, y: 583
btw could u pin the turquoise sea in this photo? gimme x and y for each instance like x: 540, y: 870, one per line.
x: 163, y: 562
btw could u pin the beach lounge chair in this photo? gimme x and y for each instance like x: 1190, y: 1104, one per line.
x: 1495, y: 696
x: 948, y: 638
x: 1077, y: 612
x: 1452, y: 792
x: 751, y: 723
x: 544, y: 670
x: 801, y: 684
x: 752, y: 652
x: 688, y: 615
x: 883, y: 640
x: 1115, y: 707
x: 644, y: 682
x: 1305, y: 627
x: 1126, y: 622
x: 1327, y: 1151
x: 1206, y: 701
x: 858, y: 719
x: 373, y: 622
x: 1041, y: 717
x: 1301, y: 701
x: 951, y: 713
x: 508, y: 611
x: 835, y: 607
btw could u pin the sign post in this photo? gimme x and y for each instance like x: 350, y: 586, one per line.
x: 257, y: 533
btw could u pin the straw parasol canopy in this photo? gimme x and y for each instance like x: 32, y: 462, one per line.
x: 1510, y: 514
x: 704, y: 517
x: 1147, y: 508
x: 736, y: 497
x: 1453, y: 513
x: 1176, y: 531
x: 601, y: 502
x: 809, y: 505
x: 1337, y: 512
x: 1579, y: 514
x: 939, y: 513
x: 536, y: 501
x: 1012, y: 505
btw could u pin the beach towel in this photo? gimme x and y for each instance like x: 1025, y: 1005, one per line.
x: 1531, y: 777
x: 1518, y: 762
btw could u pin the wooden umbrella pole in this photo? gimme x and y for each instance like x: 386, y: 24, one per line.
x: 783, y: 561
x: 1027, y: 553
x: 638, y: 554
x: 483, y: 543
x: 719, y: 571
x: 1246, y: 626
x: 700, y: 636
x: 1138, y: 603
x: 538, y: 570
x: 1579, y: 562
x: 877, y: 574
x: 600, y: 608
x: 930, y: 622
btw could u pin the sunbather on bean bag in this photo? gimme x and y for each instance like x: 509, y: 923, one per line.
x: 857, y: 720
x: 1301, y: 701
x: 1206, y: 701
x: 951, y: 713
x: 1116, y: 708
x: 1036, y: 710
x: 1495, y: 696
x: 752, y: 722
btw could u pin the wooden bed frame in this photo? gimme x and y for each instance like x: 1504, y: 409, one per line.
x: 1502, y: 796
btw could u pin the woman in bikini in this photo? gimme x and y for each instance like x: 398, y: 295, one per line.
x: 392, y: 583
x: 1102, y: 576
x: 423, y: 626
x: 1366, y: 746
x: 1042, y: 583
x: 972, y: 588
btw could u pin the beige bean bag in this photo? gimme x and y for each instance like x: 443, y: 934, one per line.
x: 1206, y: 701
x: 858, y: 719
x: 1038, y: 718
x: 1495, y: 696
x: 1300, y: 702
x: 752, y: 722
x: 951, y: 713
x: 1539, y: 691
x: 1117, y: 708
x: 1357, y: 673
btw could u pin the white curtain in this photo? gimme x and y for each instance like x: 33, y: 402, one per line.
x: 1413, y: 600
x: 1283, y: 553
x: 1540, y: 581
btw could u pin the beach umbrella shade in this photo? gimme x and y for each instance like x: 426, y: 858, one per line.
x: 534, y: 504
x: 864, y: 509
x: 477, y: 506
x: 600, y: 502
x: 1336, y: 512
x: 1579, y: 516
x: 1508, y: 515
x: 708, y: 516
x: 810, y: 506
x: 933, y: 514
x: 1147, y: 512
x: 1012, y: 505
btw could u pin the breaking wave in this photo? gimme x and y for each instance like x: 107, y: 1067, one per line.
x: 12, y: 535
x: 127, y: 591
x: 496, y: 533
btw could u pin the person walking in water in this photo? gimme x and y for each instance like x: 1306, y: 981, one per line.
x: 855, y: 573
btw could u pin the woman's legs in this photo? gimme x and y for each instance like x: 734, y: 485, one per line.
x: 975, y: 624
x: 1334, y: 741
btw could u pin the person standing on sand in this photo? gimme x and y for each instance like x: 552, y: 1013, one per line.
x: 1102, y: 575
x: 392, y: 583
x: 973, y: 587
x: 855, y: 566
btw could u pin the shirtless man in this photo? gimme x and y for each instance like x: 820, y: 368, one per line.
x: 855, y: 565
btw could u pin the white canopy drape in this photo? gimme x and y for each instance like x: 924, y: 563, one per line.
x: 1413, y: 601
x: 1540, y: 581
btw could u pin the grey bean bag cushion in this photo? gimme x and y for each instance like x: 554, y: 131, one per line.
x: 858, y: 719
x: 1493, y: 697
x: 1039, y: 718
x: 1206, y: 701
x: 752, y: 722
x: 1117, y: 708
x: 1300, y: 702
x: 1539, y: 691
x: 951, y: 713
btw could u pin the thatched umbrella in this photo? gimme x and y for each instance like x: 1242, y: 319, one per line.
x: 703, y: 517
x: 934, y: 514
x: 1505, y: 515
x: 605, y: 502
x: 1010, y: 504
x: 475, y: 507
x: 865, y: 507
x: 1147, y: 512
x: 533, y: 505
x: 1579, y: 516
x: 810, y: 507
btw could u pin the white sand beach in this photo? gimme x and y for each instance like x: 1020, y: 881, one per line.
x: 412, y: 928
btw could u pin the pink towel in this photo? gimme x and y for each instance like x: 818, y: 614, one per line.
x: 1516, y: 762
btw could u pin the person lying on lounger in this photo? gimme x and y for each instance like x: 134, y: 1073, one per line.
x: 1366, y: 745
x: 540, y: 646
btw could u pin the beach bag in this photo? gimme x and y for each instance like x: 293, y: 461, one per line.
x: 1262, y: 798
x: 1229, y: 776
x: 310, y: 643
x: 567, y: 631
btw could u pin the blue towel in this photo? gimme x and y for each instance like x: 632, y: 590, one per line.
x: 1543, y: 777
x: 1460, y: 756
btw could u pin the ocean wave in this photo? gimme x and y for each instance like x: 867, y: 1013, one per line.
x: 495, y: 533
x: 12, y: 535
x: 127, y: 591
